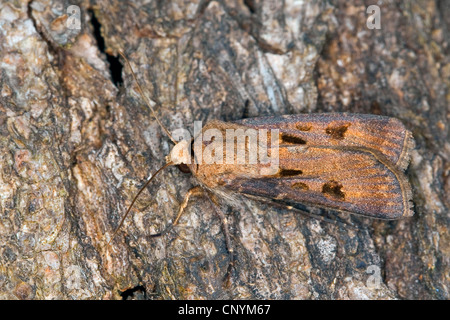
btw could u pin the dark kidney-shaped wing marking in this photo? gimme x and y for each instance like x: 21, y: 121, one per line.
x: 386, y: 135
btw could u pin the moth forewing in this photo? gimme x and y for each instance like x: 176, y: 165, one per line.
x: 385, y: 135
x: 357, y: 174
x: 353, y: 181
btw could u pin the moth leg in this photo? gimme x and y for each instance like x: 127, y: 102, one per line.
x: 213, y: 200
x: 195, y: 191
x: 312, y: 215
x: 199, y: 191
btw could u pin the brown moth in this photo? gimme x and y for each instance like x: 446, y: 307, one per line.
x: 345, y: 162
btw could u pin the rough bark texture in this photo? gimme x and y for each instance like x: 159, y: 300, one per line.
x: 77, y: 142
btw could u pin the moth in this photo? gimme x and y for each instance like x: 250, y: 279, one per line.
x: 345, y: 162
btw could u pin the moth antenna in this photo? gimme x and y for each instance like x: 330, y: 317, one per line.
x: 135, y: 198
x: 141, y: 92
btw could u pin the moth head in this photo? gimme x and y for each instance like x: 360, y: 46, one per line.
x: 179, y: 153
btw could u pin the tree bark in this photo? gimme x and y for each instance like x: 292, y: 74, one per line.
x: 77, y: 142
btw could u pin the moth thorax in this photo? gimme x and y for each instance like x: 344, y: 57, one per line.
x: 179, y: 153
